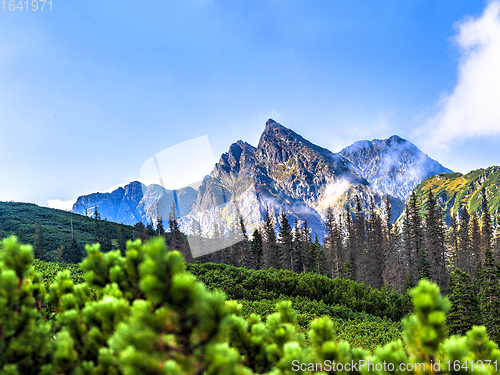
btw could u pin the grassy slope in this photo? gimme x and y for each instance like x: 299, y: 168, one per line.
x: 453, y: 190
x: 19, y: 219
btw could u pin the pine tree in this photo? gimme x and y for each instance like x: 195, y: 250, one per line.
x: 230, y: 253
x: 424, y: 269
x: 391, y: 255
x: 160, y: 229
x: 407, y: 244
x: 175, y: 242
x: 333, y: 245
x: 122, y: 240
x: 141, y: 231
x: 106, y: 240
x: 304, y: 257
x: 350, y: 243
x: 97, y: 227
x: 359, y: 261
x: 73, y: 254
x: 475, y: 244
x: 256, y: 248
x: 453, y: 241
x: 435, y: 243
x: 413, y: 234
x: 486, y: 227
x: 490, y: 296
x: 375, y: 252
x: 464, y: 242
x: 464, y: 312
x: 286, y: 243
x: 248, y: 258
x: 270, y: 247
x: 308, y: 247
x: 39, y: 246
x: 215, y: 244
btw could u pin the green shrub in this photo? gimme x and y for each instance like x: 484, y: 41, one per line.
x: 151, y: 316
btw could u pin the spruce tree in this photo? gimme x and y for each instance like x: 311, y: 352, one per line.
x: 106, y: 244
x: 307, y: 246
x: 375, y: 252
x: 486, y: 226
x: 286, y: 243
x: 256, y: 248
x: 490, y: 296
x: 270, y: 247
x: 304, y: 257
x: 330, y: 254
x: 475, y: 244
x: 333, y: 244
x: 453, y: 241
x: 434, y: 243
x: 248, y: 258
x: 464, y: 312
x: 424, y: 269
x: 141, y: 231
x: 175, y: 242
x: 391, y: 254
x: 407, y: 244
x: 359, y: 261
x: 97, y: 227
x: 74, y: 253
x: 464, y: 256
x: 413, y: 234
x: 215, y: 244
x: 122, y: 240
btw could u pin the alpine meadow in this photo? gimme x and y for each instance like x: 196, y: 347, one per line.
x: 209, y: 187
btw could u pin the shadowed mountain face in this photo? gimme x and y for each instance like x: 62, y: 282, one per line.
x: 135, y: 202
x: 284, y: 173
x: 393, y: 166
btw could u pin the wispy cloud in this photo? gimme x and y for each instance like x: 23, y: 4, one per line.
x: 472, y: 108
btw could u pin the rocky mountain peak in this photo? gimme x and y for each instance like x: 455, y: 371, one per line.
x: 393, y: 166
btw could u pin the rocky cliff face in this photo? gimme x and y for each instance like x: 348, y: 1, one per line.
x: 392, y: 166
x: 135, y: 202
x: 285, y: 172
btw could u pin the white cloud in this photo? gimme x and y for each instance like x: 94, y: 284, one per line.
x: 61, y: 205
x: 472, y: 109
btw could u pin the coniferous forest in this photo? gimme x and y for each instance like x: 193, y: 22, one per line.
x: 354, y: 296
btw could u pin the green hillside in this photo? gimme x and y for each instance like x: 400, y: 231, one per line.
x: 19, y: 219
x: 452, y: 190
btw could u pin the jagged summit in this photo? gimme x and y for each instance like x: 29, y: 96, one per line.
x: 394, y: 165
x: 285, y: 172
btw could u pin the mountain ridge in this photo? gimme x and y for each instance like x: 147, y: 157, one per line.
x: 285, y: 172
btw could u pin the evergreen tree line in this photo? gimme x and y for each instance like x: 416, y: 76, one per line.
x: 367, y: 247
x: 363, y: 247
x: 475, y: 300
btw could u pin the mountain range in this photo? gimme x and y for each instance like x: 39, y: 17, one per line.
x: 285, y: 172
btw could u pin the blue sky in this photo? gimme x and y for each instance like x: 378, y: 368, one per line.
x: 92, y: 89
